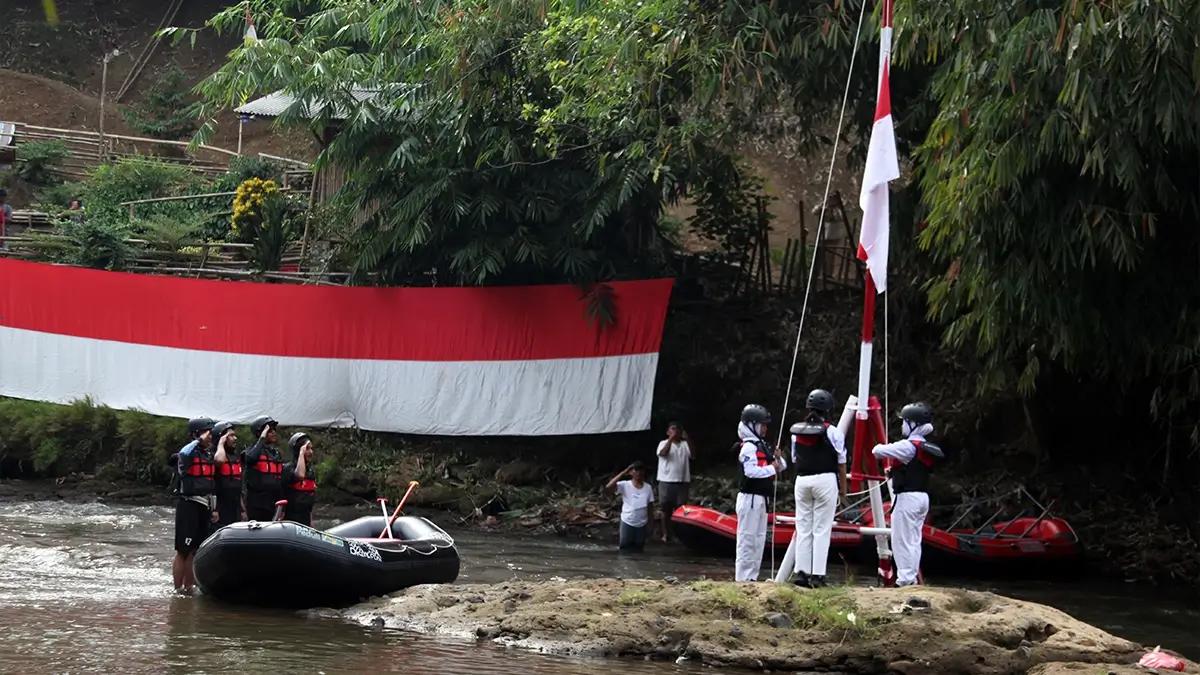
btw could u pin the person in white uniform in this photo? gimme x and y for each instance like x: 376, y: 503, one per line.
x: 915, y: 458
x: 819, y: 456
x: 760, y: 466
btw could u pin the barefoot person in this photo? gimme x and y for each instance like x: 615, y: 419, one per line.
x: 674, y: 474
x: 194, y: 512
x: 263, y: 471
x: 760, y: 466
x: 819, y: 456
x: 299, y: 486
x: 230, y: 508
x: 637, y: 503
x: 910, y: 487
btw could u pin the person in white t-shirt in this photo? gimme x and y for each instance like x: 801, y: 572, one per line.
x: 637, y: 505
x: 674, y: 474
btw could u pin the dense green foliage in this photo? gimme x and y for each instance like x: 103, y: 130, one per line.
x: 1060, y: 183
x: 519, y: 140
x: 99, y: 236
x: 165, y: 111
x: 38, y: 161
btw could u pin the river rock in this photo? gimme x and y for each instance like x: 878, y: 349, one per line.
x: 778, y: 620
x: 963, y: 631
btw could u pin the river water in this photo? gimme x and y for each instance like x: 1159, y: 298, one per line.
x: 86, y: 587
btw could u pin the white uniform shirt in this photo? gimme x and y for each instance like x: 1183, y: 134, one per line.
x: 635, y: 503
x: 748, y: 457
x: 676, y: 466
x: 901, y: 451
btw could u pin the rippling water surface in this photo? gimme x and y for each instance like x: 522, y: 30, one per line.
x: 87, y: 587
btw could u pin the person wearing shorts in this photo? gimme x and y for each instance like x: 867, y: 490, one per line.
x: 196, y: 509
x: 674, y: 474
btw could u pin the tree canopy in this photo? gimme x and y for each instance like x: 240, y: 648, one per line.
x: 1053, y: 149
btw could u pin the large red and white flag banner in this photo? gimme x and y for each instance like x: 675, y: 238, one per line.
x: 460, y: 361
x: 882, y: 167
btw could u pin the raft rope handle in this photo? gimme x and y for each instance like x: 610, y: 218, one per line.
x: 813, y: 266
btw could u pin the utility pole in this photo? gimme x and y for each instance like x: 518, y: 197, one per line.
x: 109, y: 56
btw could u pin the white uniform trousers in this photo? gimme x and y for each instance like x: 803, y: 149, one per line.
x: 909, y: 510
x: 816, y: 503
x: 751, y: 536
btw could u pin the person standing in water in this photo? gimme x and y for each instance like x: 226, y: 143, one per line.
x: 637, y: 505
x: 674, y: 474
x: 263, y: 466
x: 915, y: 458
x: 760, y: 467
x: 230, y: 508
x: 299, y: 486
x: 195, y: 510
x: 819, y: 455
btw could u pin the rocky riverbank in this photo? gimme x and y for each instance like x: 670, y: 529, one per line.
x: 762, y: 626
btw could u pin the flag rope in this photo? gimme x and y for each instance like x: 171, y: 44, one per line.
x: 813, y: 266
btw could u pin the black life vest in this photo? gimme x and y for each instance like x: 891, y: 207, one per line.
x: 196, y: 473
x: 266, y: 473
x: 765, y: 457
x: 812, y: 451
x: 914, y: 476
x: 229, y: 476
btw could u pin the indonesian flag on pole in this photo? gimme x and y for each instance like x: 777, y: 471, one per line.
x: 512, y: 360
x: 882, y: 168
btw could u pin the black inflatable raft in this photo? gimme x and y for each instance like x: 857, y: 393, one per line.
x: 286, y: 564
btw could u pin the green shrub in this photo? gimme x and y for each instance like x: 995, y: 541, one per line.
x: 37, y: 161
x: 56, y: 198
x: 165, y: 112
x: 98, y: 243
x: 128, y: 180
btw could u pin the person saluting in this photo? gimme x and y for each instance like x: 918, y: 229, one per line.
x: 230, y: 508
x: 263, y: 471
x: 195, y: 510
x: 299, y: 484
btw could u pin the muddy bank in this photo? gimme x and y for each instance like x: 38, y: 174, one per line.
x: 762, y: 626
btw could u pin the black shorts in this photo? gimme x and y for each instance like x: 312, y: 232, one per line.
x: 671, y: 495
x: 192, y: 525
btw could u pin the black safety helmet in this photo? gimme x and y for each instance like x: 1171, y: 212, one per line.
x: 755, y: 414
x: 820, y: 401
x: 257, y: 426
x: 297, y: 440
x: 220, y: 429
x: 917, y: 413
x: 198, y: 425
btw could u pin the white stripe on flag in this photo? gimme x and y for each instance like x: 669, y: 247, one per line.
x: 882, y: 167
x: 523, y: 398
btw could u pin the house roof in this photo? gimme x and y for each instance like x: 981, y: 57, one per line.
x: 279, y: 102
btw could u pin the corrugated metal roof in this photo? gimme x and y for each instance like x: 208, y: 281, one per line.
x: 275, y: 104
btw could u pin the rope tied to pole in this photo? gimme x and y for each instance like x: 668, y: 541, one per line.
x: 837, y: 138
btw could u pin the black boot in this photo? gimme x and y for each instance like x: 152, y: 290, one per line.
x: 817, y: 581
x: 802, y: 580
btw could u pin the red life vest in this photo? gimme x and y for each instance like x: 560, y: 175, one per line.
x: 197, y: 478
x: 304, y: 485
x: 229, y: 469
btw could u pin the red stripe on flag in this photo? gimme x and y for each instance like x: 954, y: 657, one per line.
x: 883, y: 106
x: 411, y: 324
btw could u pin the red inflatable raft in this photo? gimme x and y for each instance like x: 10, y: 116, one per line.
x: 1038, y: 545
